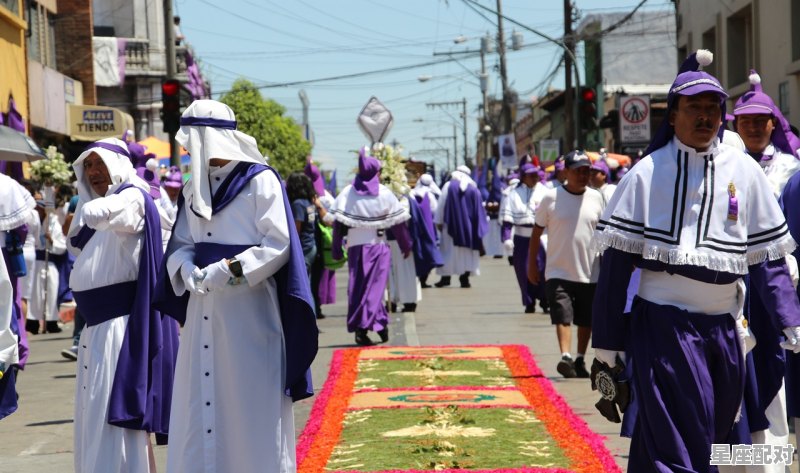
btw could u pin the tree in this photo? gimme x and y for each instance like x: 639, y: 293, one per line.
x: 278, y: 136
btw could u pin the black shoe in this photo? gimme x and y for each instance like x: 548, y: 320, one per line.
x: 320, y: 315
x: 423, y: 282
x: 444, y: 282
x: 580, y: 368
x: 566, y: 367
x: 530, y: 308
x: 384, y: 334
x: 362, y: 338
x: 393, y: 307
x: 464, y: 279
x: 510, y: 261
x: 51, y: 326
x: 425, y: 286
x: 498, y: 256
x: 409, y: 307
x: 32, y: 326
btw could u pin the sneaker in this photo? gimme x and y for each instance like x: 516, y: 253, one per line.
x: 580, y: 368
x: 566, y: 367
x: 70, y: 353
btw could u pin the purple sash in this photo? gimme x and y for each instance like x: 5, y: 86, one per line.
x: 294, y: 291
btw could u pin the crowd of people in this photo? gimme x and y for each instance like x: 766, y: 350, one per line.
x: 680, y: 270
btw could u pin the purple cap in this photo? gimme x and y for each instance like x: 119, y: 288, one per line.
x: 174, y: 177
x: 756, y: 102
x: 151, y: 177
x: 559, y: 164
x: 600, y: 165
x: 690, y: 81
x: 528, y: 168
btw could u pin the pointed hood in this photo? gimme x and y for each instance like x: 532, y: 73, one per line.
x: 313, y: 173
x: 367, y: 181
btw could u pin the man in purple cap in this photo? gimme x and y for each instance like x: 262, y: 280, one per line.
x: 696, y: 216
x: 127, y: 350
x: 364, y: 211
x: 599, y: 175
x: 519, y: 216
x: 569, y: 214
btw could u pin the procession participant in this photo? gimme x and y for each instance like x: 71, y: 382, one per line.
x: 404, y: 287
x: 364, y: 210
x: 519, y: 216
x: 236, y: 262
x: 51, y: 253
x: 696, y: 216
x: 599, y: 176
x: 426, y: 255
x: 569, y: 214
x: 462, y: 219
x: 323, y: 280
x: 493, y: 241
x: 127, y: 349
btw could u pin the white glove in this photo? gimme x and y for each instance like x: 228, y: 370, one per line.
x: 217, y: 276
x: 609, y: 357
x: 791, y: 262
x: 94, y: 212
x: 509, y: 246
x: 792, y: 342
x: 192, y: 277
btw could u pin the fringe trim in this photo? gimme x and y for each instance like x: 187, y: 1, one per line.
x: 388, y: 222
x: 715, y: 261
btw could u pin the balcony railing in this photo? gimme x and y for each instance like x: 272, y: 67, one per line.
x: 137, y: 57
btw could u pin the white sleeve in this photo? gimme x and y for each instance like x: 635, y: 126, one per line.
x: 181, y: 250
x: 543, y: 211
x: 59, y: 246
x: 263, y: 261
x: 123, y: 212
x: 9, y: 349
x: 438, y: 215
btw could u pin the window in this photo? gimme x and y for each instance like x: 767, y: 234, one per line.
x: 12, y: 5
x: 740, y: 46
x: 41, y: 35
x: 783, y: 98
x: 710, y: 43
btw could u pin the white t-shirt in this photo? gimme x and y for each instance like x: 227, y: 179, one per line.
x: 570, y: 220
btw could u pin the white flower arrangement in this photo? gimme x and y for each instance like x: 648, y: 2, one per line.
x: 53, y: 171
x: 393, y: 168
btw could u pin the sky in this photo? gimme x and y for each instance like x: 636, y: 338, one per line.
x: 275, y: 43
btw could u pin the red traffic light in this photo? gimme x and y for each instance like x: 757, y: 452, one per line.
x: 588, y: 95
x: 171, y: 88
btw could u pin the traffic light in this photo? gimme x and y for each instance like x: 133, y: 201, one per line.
x: 171, y: 105
x: 588, y: 104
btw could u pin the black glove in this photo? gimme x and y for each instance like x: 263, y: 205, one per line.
x: 615, y: 394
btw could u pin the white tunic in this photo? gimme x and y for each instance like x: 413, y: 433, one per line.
x: 29, y: 253
x: 9, y: 347
x: 111, y: 256
x: 404, y: 287
x: 778, y: 167
x: 229, y: 412
x: 457, y: 259
x: 45, y: 277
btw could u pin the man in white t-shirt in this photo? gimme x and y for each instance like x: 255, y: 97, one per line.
x: 572, y: 267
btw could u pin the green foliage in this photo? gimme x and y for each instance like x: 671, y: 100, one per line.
x: 278, y: 136
x: 53, y: 171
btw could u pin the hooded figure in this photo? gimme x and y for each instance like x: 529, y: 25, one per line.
x: 493, y: 242
x: 322, y: 278
x: 364, y: 211
x: 463, y: 223
x: 126, y: 363
x: 235, y: 249
x: 688, y: 311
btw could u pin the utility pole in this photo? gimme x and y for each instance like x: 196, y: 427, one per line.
x: 487, y: 145
x: 569, y: 96
x: 464, y: 115
x: 455, y: 145
x: 501, y: 50
x: 172, y: 71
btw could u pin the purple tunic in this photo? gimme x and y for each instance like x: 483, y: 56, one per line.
x: 791, y: 209
x: 426, y: 253
x: 464, y: 216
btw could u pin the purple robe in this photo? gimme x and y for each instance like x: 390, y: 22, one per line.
x: 141, y: 393
x: 327, y: 287
x: 791, y: 209
x: 464, y: 216
x: 426, y: 253
x: 369, y: 267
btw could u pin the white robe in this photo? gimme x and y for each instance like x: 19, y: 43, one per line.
x: 111, y: 256
x: 778, y: 167
x: 457, y: 259
x: 29, y: 253
x: 229, y: 412
x: 45, y: 277
x: 9, y: 346
x: 404, y: 287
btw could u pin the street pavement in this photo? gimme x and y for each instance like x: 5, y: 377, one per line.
x: 38, y: 437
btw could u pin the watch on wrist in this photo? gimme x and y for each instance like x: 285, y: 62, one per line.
x: 236, y: 267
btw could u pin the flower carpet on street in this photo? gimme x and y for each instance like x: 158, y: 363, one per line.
x: 480, y: 409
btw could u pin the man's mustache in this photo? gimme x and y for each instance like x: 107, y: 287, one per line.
x: 703, y: 125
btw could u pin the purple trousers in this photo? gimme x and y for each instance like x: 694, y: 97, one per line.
x: 688, y: 375
x: 327, y: 287
x: 369, y: 273
x: 530, y: 292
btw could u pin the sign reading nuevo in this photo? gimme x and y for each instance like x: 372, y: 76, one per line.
x: 634, y: 119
